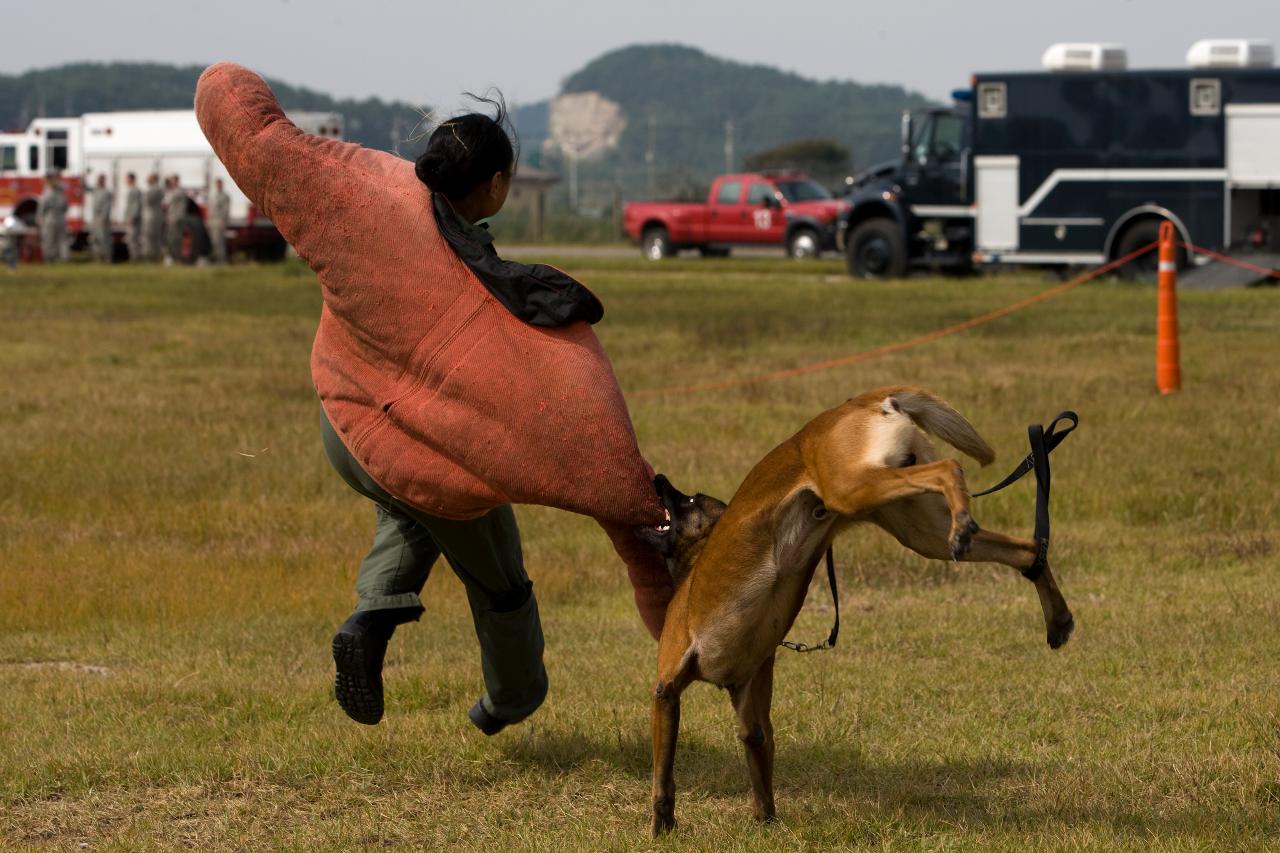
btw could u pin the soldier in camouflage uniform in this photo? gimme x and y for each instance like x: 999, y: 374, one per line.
x: 152, y: 219
x: 175, y: 215
x: 100, y: 237
x: 133, y: 217
x: 219, y: 213
x: 52, y: 215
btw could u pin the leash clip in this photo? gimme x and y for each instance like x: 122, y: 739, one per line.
x: 830, y: 641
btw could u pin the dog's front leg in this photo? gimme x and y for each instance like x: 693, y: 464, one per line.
x: 858, y: 492
x: 751, y: 703
x: 921, y: 524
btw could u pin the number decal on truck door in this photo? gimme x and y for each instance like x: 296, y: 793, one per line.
x: 763, y: 218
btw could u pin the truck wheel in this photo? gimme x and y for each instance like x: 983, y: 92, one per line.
x: 874, y: 250
x: 803, y: 243
x: 1144, y: 232
x: 656, y: 243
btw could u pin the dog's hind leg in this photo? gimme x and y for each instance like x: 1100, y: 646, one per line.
x: 673, y: 677
x: 923, y: 524
x: 751, y: 703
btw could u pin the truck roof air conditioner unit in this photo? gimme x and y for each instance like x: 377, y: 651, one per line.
x: 1231, y: 53
x: 1085, y: 57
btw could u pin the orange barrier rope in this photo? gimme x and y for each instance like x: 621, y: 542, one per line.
x: 886, y: 349
x: 1200, y: 250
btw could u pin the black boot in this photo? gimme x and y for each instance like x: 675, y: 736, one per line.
x: 358, y: 651
x: 486, y: 722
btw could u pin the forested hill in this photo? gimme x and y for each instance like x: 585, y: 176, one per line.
x: 676, y: 98
x: 684, y: 97
x: 104, y: 87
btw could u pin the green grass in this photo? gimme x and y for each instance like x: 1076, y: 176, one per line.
x: 167, y: 514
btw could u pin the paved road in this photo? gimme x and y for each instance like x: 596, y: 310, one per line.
x: 533, y: 250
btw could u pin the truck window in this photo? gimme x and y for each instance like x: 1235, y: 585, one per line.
x: 33, y: 158
x: 939, y: 139
x: 57, y: 142
x: 948, y: 137
x: 8, y: 158
x: 758, y: 193
x: 794, y: 191
x: 730, y: 192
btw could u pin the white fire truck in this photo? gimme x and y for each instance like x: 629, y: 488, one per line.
x: 164, y: 143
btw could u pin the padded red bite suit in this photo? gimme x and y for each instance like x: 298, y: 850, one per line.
x: 450, y: 402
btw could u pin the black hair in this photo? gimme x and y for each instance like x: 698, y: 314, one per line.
x: 468, y: 150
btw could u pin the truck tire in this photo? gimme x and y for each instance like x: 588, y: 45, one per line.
x: 1144, y: 232
x: 655, y: 243
x: 874, y: 250
x: 804, y: 243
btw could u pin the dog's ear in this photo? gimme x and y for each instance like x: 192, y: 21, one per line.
x: 711, y: 507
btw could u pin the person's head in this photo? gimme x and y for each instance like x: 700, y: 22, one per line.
x: 51, y: 180
x: 153, y: 179
x: 130, y: 179
x: 470, y: 160
x: 218, y: 184
x: 102, y: 181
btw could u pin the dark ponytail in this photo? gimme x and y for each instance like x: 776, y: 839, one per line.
x: 467, y: 150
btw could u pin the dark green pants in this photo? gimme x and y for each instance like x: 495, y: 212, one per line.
x: 484, y: 553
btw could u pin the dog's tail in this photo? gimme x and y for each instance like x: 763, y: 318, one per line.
x: 933, y: 415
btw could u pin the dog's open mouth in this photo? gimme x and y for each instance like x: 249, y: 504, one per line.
x: 666, y: 525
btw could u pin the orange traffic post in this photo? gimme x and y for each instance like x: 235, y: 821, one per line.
x: 1168, y: 368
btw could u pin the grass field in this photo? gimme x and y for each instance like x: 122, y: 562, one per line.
x: 175, y: 554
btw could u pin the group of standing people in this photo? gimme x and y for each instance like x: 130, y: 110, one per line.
x: 155, y: 220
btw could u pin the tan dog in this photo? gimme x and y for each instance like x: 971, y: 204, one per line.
x: 742, y: 570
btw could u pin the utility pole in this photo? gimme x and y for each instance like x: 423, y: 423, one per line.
x: 728, y: 146
x: 573, y: 178
x: 649, y: 154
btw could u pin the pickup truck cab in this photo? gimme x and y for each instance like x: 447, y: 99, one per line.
x: 753, y: 208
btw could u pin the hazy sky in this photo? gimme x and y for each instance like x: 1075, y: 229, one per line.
x: 428, y: 52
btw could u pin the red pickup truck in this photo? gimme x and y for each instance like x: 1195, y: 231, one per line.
x: 754, y: 208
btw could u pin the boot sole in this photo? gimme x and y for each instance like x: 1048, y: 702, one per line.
x: 352, y: 686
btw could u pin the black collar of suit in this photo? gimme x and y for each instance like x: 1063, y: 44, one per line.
x: 536, y: 293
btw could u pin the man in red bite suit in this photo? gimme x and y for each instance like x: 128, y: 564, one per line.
x: 453, y: 383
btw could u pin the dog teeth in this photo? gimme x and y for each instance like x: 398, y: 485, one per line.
x: 662, y: 528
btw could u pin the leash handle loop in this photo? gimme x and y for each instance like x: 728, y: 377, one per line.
x: 1042, y: 444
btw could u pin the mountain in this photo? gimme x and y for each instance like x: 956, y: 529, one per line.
x: 674, y: 99
x: 679, y: 100
x: 104, y: 87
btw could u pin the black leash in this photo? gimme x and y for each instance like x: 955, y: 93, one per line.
x: 830, y: 641
x: 1042, y: 444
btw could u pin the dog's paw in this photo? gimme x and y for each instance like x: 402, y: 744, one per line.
x: 1060, y: 630
x: 664, y: 818
x: 764, y: 814
x: 962, y: 531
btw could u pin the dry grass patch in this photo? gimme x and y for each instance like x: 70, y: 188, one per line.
x: 169, y: 517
